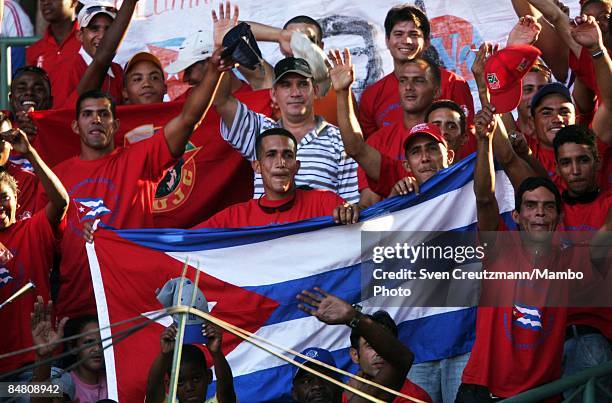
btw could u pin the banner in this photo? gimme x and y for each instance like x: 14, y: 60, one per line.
x: 455, y: 28
x: 210, y: 176
x: 258, y: 292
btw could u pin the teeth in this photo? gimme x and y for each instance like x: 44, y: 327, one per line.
x: 28, y: 103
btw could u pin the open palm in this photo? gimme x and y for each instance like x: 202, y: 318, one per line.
x: 342, y: 72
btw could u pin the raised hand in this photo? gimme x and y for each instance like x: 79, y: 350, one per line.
x: 342, y: 72
x: 44, y: 334
x: 484, y: 121
x: 223, y: 22
x: 586, y: 33
x: 25, y: 123
x: 525, y: 32
x: 485, y: 51
x: 326, y: 307
x: 167, y: 340
x: 18, y: 139
x: 519, y: 144
x: 215, y: 337
x: 219, y: 63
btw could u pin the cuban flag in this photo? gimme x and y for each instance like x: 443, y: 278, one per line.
x: 22, y: 162
x: 5, y: 276
x: 91, y: 208
x: 527, y: 317
x: 253, y: 275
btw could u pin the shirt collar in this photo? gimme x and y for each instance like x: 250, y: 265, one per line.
x: 88, y: 61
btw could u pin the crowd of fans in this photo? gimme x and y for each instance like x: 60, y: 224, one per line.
x: 321, y: 153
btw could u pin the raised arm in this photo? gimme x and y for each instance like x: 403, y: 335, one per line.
x: 332, y: 310
x: 560, y: 21
x: 179, y: 130
x: 586, y: 32
x: 484, y: 172
x: 55, y: 191
x: 343, y: 75
x: 156, y: 392
x: 516, y: 167
x: 94, y: 75
x: 556, y: 57
x: 225, y: 379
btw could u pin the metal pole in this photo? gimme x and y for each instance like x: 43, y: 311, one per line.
x: 5, y: 64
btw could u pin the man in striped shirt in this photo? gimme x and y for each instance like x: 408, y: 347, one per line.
x: 324, y: 163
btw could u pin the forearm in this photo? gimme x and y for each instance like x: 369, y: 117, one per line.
x: 55, y: 191
x: 265, y: 33
x: 225, y: 379
x: 603, y: 72
x: 96, y: 71
x: 156, y: 392
x: 386, y: 344
x: 260, y: 78
x: 484, y: 172
x: 224, y: 102
x: 348, y: 124
x: 41, y: 373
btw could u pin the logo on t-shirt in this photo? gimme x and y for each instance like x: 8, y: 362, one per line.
x: 5, y: 276
x: 527, y: 317
x: 90, y: 209
x: 174, y: 189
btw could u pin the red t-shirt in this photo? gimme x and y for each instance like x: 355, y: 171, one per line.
x: 51, y: 56
x: 306, y: 204
x: 409, y: 389
x: 389, y: 140
x: 27, y: 183
x: 380, y: 104
x: 65, y: 93
x: 589, y: 217
x: 584, y: 69
x: 31, y: 241
x: 118, y: 189
x: 520, y: 347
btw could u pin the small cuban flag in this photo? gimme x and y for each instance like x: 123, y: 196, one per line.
x: 92, y: 209
x: 5, y: 276
x: 23, y: 163
x: 527, y: 317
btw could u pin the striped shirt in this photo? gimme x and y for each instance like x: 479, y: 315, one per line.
x: 323, y: 161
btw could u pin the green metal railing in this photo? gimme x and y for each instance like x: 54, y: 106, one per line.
x: 5, y: 64
x: 585, y: 383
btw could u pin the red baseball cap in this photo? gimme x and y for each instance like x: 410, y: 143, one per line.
x: 428, y: 129
x: 504, y: 72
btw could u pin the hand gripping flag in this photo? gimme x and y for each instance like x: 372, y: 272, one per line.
x: 250, y: 277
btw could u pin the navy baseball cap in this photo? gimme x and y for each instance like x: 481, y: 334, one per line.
x: 316, y: 353
x: 291, y: 65
x: 548, y: 89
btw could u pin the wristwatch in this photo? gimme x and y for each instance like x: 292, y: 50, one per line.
x: 358, y: 315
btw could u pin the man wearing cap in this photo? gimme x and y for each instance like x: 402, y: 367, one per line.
x: 144, y: 81
x: 59, y: 42
x: 417, y: 153
x: 375, y: 347
x: 117, y: 186
x: 407, y: 33
x: 307, y: 387
x: 92, y: 68
x: 282, y: 202
x: 324, y: 163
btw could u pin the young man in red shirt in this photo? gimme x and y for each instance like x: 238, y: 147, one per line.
x: 407, y: 32
x: 27, y: 248
x: 281, y: 202
x: 101, y: 30
x: 117, y: 186
x: 381, y: 356
x: 529, y: 338
x: 59, y: 42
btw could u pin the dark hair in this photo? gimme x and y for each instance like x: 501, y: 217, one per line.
x: 275, y: 131
x: 10, y: 180
x: 95, y: 94
x: 541, y: 67
x: 192, y: 355
x: 33, y: 69
x: 576, y: 134
x: 74, y: 327
x: 432, y: 68
x: 304, y: 19
x: 589, y: 2
x: 407, y: 13
x: 448, y: 104
x: 381, y: 317
x: 533, y: 183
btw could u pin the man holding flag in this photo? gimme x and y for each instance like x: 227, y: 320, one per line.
x: 117, y: 185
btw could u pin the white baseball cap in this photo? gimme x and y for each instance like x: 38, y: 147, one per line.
x: 303, y: 48
x: 195, y: 48
x: 93, y: 8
